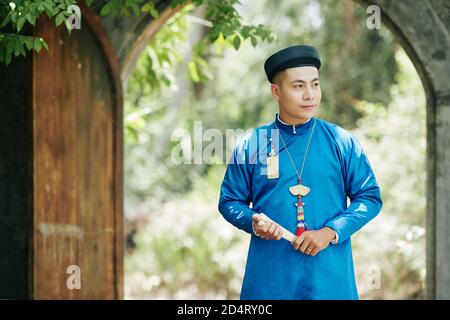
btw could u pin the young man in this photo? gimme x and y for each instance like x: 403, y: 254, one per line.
x: 299, y: 170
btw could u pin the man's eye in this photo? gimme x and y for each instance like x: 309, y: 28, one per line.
x: 316, y: 84
x: 298, y: 86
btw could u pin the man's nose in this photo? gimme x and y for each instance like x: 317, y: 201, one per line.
x: 308, y: 94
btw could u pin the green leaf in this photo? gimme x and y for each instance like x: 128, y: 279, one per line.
x: 135, y: 9
x: 37, y: 44
x: 44, y: 44
x: 106, y: 8
x: 8, y: 59
x: 59, y: 18
x: 10, y: 46
x: 193, y: 72
x: 150, y: 8
x: 237, y: 42
x: 253, y: 41
x: 88, y: 2
x: 49, y: 13
x: 134, y: 133
x: 14, y: 16
x: 17, y: 46
x: 20, y: 23
x: 175, y: 3
x: 245, y: 32
x: 48, y: 9
x: 227, y: 31
x: 22, y: 50
x: 28, y: 42
x: 215, y: 33
x: 31, y: 19
x: 5, y: 22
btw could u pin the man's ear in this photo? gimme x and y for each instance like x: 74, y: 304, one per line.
x: 275, y: 91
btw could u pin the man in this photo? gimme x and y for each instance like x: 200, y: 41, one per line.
x: 299, y: 170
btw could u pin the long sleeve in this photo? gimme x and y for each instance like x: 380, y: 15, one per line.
x: 362, y: 189
x: 235, y: 191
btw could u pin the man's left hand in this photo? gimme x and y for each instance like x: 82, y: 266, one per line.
x: 314, y: 241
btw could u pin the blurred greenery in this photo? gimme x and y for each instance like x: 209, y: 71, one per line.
x: 16, y: 15
x: 178, y: 244
x: 394, y: 139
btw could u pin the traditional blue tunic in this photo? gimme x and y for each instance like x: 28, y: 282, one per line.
x: 336, y: 167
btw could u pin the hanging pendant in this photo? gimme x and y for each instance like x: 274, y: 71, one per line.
x: 299, y: 190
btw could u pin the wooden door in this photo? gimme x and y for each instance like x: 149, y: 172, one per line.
x: 77, y: 112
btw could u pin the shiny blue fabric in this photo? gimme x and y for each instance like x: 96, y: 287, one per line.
x: 336, y: 167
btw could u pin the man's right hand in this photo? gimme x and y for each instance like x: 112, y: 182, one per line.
x: 268, y: 231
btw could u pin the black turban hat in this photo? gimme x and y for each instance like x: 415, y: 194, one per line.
x: 291, y: 57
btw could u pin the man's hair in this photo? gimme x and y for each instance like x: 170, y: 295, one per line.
x: 278, y: 77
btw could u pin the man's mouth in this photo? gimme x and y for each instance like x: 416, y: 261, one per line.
x: 308, y: 106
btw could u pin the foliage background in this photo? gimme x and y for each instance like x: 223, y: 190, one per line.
x: 178, y: 245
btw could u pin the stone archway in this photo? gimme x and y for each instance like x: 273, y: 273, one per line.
x: 423, y: 30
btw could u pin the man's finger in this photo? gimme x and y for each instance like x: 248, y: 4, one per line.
x: 272, y: 228
x: 256, y: 218
x: 272, y: 231
x: 298, y: 241
x: 276, y: 232
x: 309, y: 250
x: 305, y: 244
x: 315, y: 251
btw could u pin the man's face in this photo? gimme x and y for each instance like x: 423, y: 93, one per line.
x: 298, y: 93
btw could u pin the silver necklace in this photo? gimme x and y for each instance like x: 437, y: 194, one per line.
x: 299, y: 190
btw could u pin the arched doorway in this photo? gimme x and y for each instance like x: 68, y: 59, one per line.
x: 422, y: 27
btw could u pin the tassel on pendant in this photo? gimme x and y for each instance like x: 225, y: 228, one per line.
x: 301, y: 226
x: 299, y: 231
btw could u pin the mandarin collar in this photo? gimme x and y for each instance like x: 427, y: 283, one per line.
x: 293, y: 129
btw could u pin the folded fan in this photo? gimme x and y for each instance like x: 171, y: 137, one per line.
x: 289, y: 236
